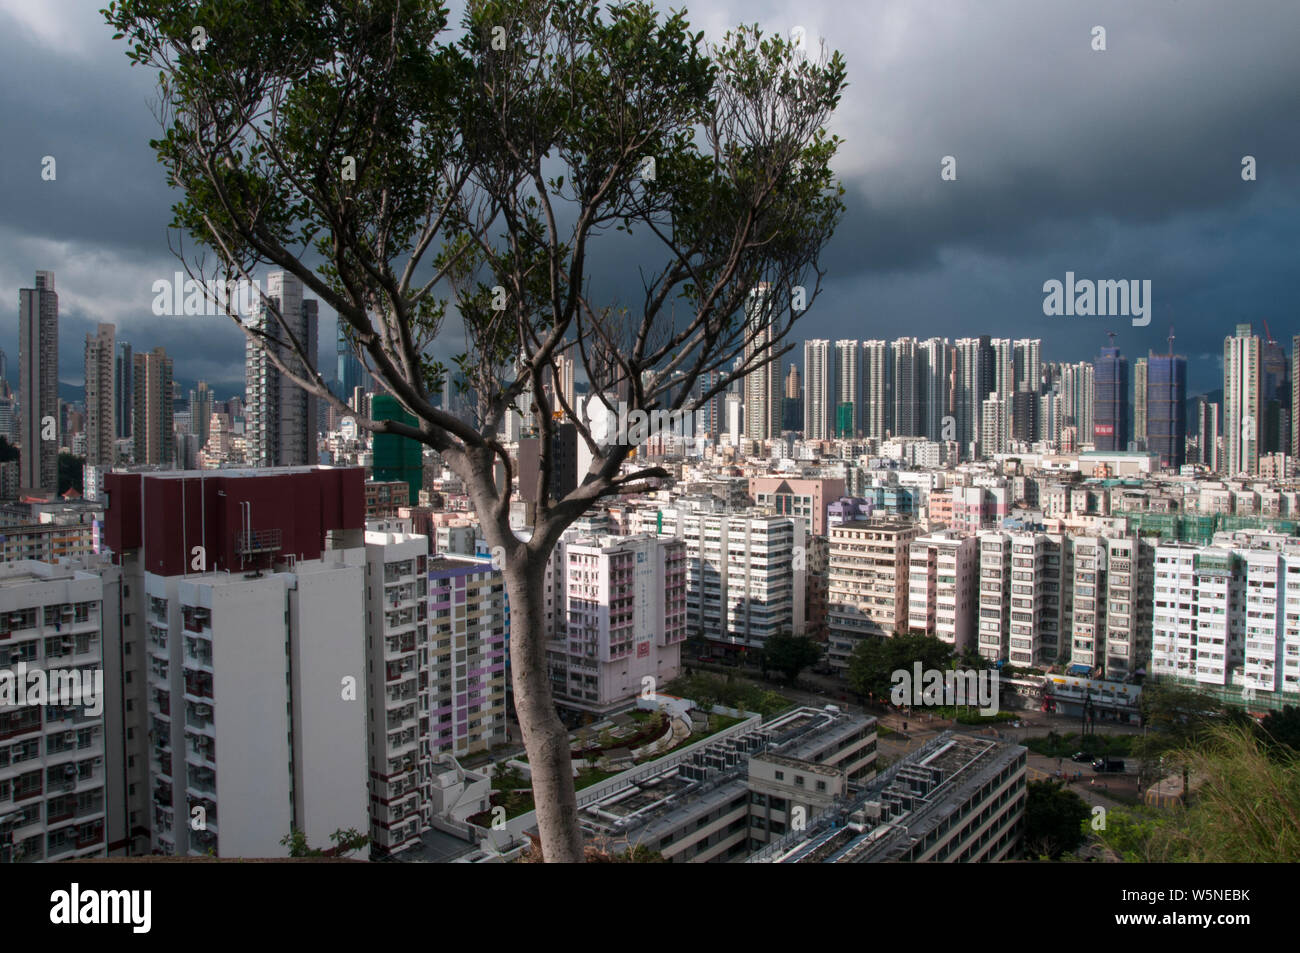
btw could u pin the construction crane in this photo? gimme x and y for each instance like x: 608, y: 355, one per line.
x: 1268, y: 335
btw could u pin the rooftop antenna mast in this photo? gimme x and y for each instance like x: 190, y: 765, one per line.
x: 1171, y: 340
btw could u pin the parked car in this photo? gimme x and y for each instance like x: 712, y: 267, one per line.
x: 1081, y: 757
x: 1108, y: 766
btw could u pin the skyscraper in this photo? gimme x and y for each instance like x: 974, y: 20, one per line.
x: 154, y: 392
x: 123, y: 402
x: 201, y: 411
x: 350, y: 372
x: 936, y: 386
x: 101, y: 397
x: 38, y: 360
x: 792, y: 400
x: 1207, y: 433
x: 280, y: 417
x: 974, y: 380
x: 876, y: 397
x: 763, y: 384
x: 1295, y: 396
x: 1077, y: 391
x: 1242, y: 399
x: 1028, y: 364
x: 1110, y: 401
x: 819, y: 390
x: 1140, y: 403
x: 908, y: 411
x: 1166, y: 408
x: 847, y: 391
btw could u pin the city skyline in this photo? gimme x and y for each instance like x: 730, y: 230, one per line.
x: 1080, y: 188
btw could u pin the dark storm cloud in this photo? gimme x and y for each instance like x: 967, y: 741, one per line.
x: 1115, y: 164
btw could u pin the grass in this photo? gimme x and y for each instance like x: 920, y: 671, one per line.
x: 970, y: 715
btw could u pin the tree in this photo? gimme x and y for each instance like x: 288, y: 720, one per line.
x: 875, y: 660
x: 7, y: 451
x: 790, y: 654
x: 1177, y: 719
x: 70, y: 472
x: 1281, y: 730
x: 408, y: 177
x: 1054, y: 819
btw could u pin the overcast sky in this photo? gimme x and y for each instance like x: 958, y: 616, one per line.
x: 1122, y: 164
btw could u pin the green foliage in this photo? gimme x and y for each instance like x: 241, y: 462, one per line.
x: 345, y: 842
x: 790, y: 654
x: 70, y: 472
x: 1246, y: 810
x: 874, y: 661
x: 8, y: 451
x: 706, y: 690
x: 1281, y: 731
x: 1054, y: 819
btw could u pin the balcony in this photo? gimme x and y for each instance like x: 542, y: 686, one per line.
x: 258, y: 541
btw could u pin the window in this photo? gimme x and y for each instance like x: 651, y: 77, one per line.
x: 780, y: 775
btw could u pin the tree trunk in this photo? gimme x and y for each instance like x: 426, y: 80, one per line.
x: 545, y: 738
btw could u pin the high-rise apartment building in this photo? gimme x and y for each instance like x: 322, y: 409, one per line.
x: 123, y: 399
x: 1077, y: 391
x: 247, y: 589
x: 995, y: 429
x: 909, y: 411
x: 1110, y: 412
x: 744, y: 581
x: 280, y: 417
x: 1207, y: 433
x: 101, y: 426
x: 936, y: 388
x: 943, y: 586
x: 973, y: 380
x: 154, y: 394
x: 201, y: 411
x: 867, y: 589
x: 847, y: 419
x: 1166, y: 408
x: 1140, y: 403
x: 38, y: 360
x: 819, y: 390
x: 762, y: 386
x: 875, y: 400
x: 53, y: 774
x: 1226, y: 621
x: 623, y: 611
x: 1242, y: 401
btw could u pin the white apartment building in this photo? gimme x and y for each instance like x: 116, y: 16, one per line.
x: 745, y: 575
x: 995, y: 595
x: 1228, y: 619
x: 942, y: 581
x: 397, y: 696
x: 53, y: 776
x: 624, y: 619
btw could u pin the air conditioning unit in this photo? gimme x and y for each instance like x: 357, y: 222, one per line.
x: 203, y: 711
x: 69, y: 737
x: 69, y: 770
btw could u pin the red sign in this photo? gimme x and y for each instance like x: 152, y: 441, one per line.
x: 1104, y: 430
x: 643, y: 650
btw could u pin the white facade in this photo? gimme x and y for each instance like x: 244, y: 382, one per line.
x: 257, y: 701
x: 53, y: 793
x: 623, y: 618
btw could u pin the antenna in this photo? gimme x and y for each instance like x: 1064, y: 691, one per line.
x: 1111, y: 335
x: 1171, y: 340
